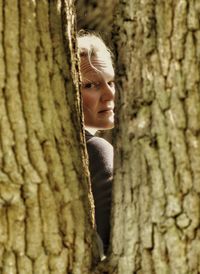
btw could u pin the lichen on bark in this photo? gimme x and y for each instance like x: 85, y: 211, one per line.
x: 45, y: 224
x: 157, y: 137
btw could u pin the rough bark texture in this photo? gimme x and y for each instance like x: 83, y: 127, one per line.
x: 44, y: 208
x: 156, y: 201
x: 96, y: 15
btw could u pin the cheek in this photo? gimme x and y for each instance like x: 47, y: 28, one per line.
x: 89, y: 100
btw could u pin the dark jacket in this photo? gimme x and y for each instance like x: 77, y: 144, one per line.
x: 100, y: 154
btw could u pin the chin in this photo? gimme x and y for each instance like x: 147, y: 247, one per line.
x: 100, y: 125
x: 107, y: 127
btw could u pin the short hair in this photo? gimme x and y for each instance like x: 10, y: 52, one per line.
x: 91, y: 45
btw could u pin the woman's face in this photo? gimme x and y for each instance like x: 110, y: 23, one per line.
x: 98, y: 91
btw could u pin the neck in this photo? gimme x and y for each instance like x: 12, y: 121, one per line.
x: 91, y: 130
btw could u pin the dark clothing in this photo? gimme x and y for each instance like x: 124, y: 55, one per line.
x: 100, y: 154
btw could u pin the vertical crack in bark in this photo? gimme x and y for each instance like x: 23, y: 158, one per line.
x: 165, y: 70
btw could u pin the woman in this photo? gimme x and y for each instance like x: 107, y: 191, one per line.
x: 98, y: 91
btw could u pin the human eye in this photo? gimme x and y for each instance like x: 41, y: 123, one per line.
x: 88, y: 85
x: 111, y: 83
x: 91, y: 85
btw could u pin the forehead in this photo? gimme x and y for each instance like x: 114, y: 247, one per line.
x: 96, y: 67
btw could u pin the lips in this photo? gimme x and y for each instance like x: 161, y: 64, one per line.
x: 105, y: 109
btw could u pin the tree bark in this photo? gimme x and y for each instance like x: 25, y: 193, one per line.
x: 156, y: 202
x: 96, y: 15
x: 45, y: 223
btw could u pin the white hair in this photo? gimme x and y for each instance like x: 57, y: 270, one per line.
x: 91, y: 45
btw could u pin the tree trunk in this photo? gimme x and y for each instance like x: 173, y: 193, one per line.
x: 156, y: 202
x: 96, y: 15
x: 44, y: 192
x: 45, y: 198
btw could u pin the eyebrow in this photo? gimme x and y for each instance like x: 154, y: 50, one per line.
x: 90, y: 79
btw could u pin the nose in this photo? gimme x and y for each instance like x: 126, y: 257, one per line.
x: 108, y: 92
